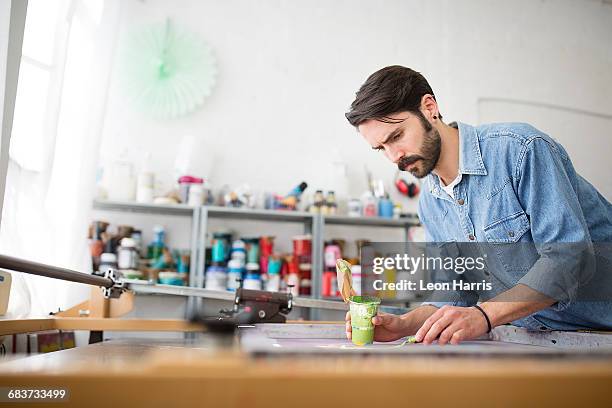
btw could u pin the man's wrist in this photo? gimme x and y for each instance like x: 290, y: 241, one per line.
x: 485, y: 318
x: 489, y: 310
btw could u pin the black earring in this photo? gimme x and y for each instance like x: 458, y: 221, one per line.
x: 435, y: 117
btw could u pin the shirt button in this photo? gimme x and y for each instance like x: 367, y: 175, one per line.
x: 486, y: 273
x: 460, y: 201
x: 471, y: 237
x: 511, y: 233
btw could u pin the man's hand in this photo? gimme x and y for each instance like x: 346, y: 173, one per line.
x: 388, y: 327
x: 452, y: 324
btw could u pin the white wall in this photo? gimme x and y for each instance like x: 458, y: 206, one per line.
x: 288, y: 71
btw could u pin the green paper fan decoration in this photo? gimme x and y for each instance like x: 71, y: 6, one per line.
x: 168, y: 71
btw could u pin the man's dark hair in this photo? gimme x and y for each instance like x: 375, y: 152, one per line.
x: 387, y: 91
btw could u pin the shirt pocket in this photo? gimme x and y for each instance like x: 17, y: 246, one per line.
x: 503, y: 238
x: 507, y: 230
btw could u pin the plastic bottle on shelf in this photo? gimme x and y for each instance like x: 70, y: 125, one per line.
x: 354, y: 208
x: 331, y: 254
x: 235, y: 269
x: 317, y: 202
x: 369, y: 205
x: 239, y: 251
x: 293, y: 278
x: 273, y: 282
x: 330, y: 203
x: 156, y: 247
x: 216, y: 278
x: 385, y: 207
x: 196, y: 195
x: 127, y: 257
x: 145, y: 182
x: 108, y: 260
x: 327, y: 288
x: 185, y: 183
x: 274, y: 268
x: 252, y: 279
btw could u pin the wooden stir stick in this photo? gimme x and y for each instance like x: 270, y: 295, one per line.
x: 345, y: 280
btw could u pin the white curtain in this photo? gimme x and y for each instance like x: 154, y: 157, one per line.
x: 54, y: 147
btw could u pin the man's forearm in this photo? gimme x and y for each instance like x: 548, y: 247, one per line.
x: 515, y: 303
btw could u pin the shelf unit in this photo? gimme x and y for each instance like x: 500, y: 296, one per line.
x: 313, y: 224
x: 178, y: 209
x: 308, y: 221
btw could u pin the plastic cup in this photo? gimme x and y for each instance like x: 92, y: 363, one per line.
x: 363, y: 309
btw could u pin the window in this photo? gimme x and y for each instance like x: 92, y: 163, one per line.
x: 37, y: 101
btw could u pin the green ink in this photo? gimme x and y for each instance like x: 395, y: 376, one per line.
x: 363, y: 309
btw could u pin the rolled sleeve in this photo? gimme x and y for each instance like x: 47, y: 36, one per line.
x: 558, y: 226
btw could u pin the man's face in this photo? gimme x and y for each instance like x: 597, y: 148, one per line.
x: 409, y: 141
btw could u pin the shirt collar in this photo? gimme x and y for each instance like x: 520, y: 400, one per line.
x: 470, y: 158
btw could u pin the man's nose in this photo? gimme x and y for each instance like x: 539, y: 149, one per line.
x: 394, y: 155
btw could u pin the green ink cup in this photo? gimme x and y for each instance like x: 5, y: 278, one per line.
x: 363, y: 309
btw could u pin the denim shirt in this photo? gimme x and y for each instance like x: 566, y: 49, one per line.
x: 519, y: 186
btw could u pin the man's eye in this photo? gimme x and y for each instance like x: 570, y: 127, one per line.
x: 379, y: 148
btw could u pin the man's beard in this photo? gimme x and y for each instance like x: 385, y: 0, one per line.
x: 430, y: 153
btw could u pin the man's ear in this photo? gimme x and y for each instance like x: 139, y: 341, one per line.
x: 429, y: 107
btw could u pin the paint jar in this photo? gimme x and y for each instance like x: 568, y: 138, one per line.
x: 318, y: 202
x: 108, y: 261
x: 145, y: 186
x: 221, y: 247
x: 252, y: 248
x: 302, y: 245
x: 397, y: 211
x: 293, y: 277
x: 274, y: 265
x: 266, y: 245
x: 185, y: 183
x: 156, y: 247
x: 252, y: 281
x: 369, y: 205
x: 331, y: 204
x: 96, y: 246
x: 385, y: 207
x: 252, y: 267
x: 273, y: 282
x: 171, y: 278
x: 305, y: 278
x: 354, y: 208
x: 331, y: 255
x: 196, y: 195
x: 239, y: 251
x: 235, y: 269
x: 137, y: 237
x: 218, y: 251
x: 363, y: 309
x: 127, y: 254
x: 216, y: 278
x: 327, y: 289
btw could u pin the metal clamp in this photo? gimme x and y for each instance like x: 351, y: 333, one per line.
x: 117, y: 288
